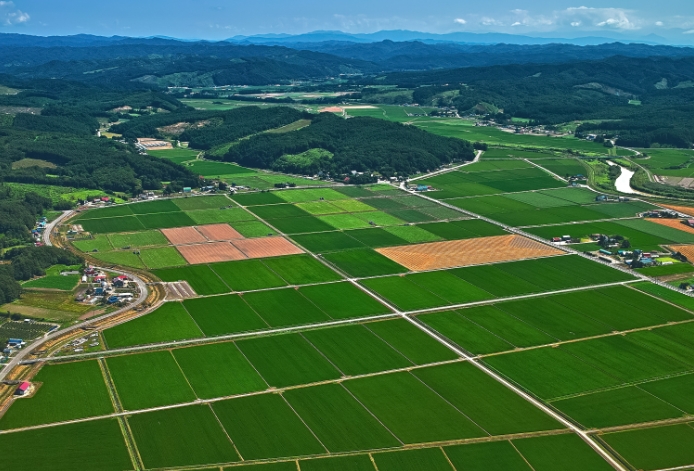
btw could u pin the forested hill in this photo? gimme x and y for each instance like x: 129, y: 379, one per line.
x: 55, y: 122
x: 361, y: 144
x: 207, y: 129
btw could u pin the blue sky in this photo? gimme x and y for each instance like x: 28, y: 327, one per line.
x: 217, y: 19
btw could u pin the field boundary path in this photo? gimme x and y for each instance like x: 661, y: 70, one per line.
x: 478, y: 155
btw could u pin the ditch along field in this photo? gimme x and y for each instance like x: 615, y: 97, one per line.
x: 285, y: 362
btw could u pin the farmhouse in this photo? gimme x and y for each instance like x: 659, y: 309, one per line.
x: 23, y: 389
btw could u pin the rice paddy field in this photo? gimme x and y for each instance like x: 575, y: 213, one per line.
x: 342, y: 358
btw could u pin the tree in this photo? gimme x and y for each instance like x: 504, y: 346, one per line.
x: 626, y: 244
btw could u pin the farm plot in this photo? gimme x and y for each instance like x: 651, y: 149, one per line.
x: 220, y: 315
x: 413, y: 234
x: 137, y: 239
x: 563, y: 167
x: 123, y: 258
x: 218, y: 216
x: 364, y: 262
x: 301, y: 196
x: 431, y: 459
x: 169, y: 322
x: 301, y: 270
x: 247, y: 275
x: 469, y: 229
x: 266, y: 247
x: 219, y: 232
x: 375, y: 237
x: 257, y: 199
x: 116, y: 224
x: 67, y: 391
x: 218, y: 370
x: 161, y: 444
x: 338, y: 420
x: 300, y: 225
x: 202, y: 202
x: 57, y: 282
x: 265, y: 426
x: 327, y: 242
x: 655, y: 448
x: 154, y: 207
x: 410, y: 341
x: 149, y: 380
x: 574, y: 195
x: 346, y: 463
x: 183, y: 235
x: 450, y: 254
x: 254, y: 229
x: 285, y: 307
x: 163, y: 257
x: 200, y: 277
x: 210, y: 253
x: 411, y: 410
x: 330, y: 298
x: 99, y: 243
x: 99, y: 443
x: 102, y: 213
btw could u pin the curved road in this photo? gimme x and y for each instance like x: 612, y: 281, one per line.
x: 19, y: 357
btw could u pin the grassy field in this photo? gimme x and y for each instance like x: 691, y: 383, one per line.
x: 68, y: 391
x: 169, y: 322
x: 210, y: 169
x: 149, y: 380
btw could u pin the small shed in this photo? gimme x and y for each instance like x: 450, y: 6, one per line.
x: 23, y: 388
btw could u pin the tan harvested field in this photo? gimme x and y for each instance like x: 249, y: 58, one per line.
x: 460, y: 253
x: 210, y: 253
x: 183, y: 235
x: 686, y: 250
x: 219, y: 232
x: 673, y: 223
x: 680, y: 209
x: 267, y: 247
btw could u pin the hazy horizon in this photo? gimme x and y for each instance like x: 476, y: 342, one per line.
x: 216, y: 20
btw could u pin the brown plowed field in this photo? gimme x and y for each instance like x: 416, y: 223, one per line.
x: 460, y: 253
x: 686, y: 250
x: 680, y: 209
x: 674, y: 223
x: 267, y: 247
x: 219, y: 232
x: 209, y: 253
x: 183, y: 235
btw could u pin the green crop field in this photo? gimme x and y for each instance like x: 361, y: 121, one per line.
x: 655, y: 448
x: 152, y: 207
x: 121, y: 257
x: 327, y: 242
x: 376, y: 237
x: 200, y: 277
x: 302, y: 196
x: 469, y: 229
x: 379, y: 218
x: 163, y: 257
x: 247, y: 275
x: 412, y: 411
x: 344, y: 221
x: 449, y: 287
x: 219, y: 216
x: 59, y: 282
x: 300, y: 225
x: 413, y: 234
x: 99, y: 243
x: 431, y: 459
x: 222, y: 315
x: 287, y: 360
x: 355, y: 350
x: 492, y: 456
x: 274, y: 211
x: 254, y: 199
x: 211, y: 169
x: 68, y: 391
x: 345, y: 463
x: 203, y: 202
x: 115, y: 224
x: 411, y: 342
x: 218, y: 370
x: 353, y: 206
x: 266, y: 427
x: 161, y: 443
x: 301, y: 269
x: 172, y: 154
x: 616, y: 407
x: 109, y: 212
x: 364, y: 262
x: 137, y: 239
x: 165, y: 220
x: 149, y: 380
x: 318, y: 208
x: 566, y: 452
x: 338, y: 420
x: 99, y: 443
x: 330, y: 298
x: 169, y: 322
x: 404, y: 293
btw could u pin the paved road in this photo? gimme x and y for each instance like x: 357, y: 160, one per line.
x: 52, y: 225
x: 450, y: 169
